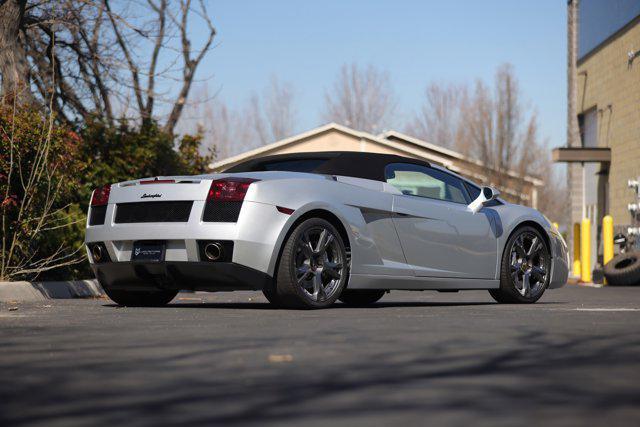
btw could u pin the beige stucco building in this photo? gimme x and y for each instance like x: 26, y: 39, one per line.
x: 606, y: 154
x: 335, y: 137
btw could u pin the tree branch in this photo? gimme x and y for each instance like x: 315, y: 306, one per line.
x: 133, y: 68
x: 161, y: 11
x: 190, y: 65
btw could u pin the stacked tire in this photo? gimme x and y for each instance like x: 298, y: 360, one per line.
x: 623, y: 270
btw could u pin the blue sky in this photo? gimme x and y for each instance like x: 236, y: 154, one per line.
x: 306, y: 42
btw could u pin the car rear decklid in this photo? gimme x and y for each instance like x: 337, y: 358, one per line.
x: 160, y: 189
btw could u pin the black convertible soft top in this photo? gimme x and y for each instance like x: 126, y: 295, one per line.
x: 344, y: 163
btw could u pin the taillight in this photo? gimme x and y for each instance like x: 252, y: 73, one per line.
x: 101, y: 195
x: 229, y: 189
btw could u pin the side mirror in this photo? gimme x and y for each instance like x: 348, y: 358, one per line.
x: 486, y: 195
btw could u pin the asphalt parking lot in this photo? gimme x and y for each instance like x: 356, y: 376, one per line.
x: 415, y: 358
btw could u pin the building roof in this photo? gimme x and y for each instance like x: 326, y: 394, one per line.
x: 407, y: 145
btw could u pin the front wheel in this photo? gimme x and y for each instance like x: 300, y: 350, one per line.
x: 140, y: 298
x: 312, y: 269
x: 524, y: 272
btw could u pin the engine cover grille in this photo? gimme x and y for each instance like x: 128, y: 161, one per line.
x: 216, y: 211
x: 153, y: 212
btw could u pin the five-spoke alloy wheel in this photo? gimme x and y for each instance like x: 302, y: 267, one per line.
x: 524, y: 274
x: 313, y: 266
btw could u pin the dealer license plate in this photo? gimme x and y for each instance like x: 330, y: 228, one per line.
x: 147, y: 251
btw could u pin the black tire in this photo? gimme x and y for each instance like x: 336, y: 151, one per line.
x: 509, y: 291
x: 140, y: 298
x: 292, y: 289
x: 361, y: 297
x: 623, y: 270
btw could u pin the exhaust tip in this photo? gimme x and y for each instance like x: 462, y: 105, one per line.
x: 213, y: 251
x: 97, y: 252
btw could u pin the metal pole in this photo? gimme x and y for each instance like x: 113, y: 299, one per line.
x: 585, y: 251
x: 584, y: 191
x: 607, y: 239
x: 577, y: 268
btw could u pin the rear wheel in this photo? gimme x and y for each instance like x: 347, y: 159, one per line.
x: 140, y: 298
x: 361, y: 297
x: 312, y: 269
x: 524, y: 272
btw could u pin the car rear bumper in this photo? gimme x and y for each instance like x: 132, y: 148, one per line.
x: 206, y: 276
x: 255, y: 236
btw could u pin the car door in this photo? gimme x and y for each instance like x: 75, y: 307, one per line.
x: 439, y: 235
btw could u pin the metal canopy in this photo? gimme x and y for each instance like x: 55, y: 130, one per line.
x: 581, y: 155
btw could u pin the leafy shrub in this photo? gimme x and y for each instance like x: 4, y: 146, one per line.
x: 39, y: 170
x: 114, y: 154
x: 48, y: 172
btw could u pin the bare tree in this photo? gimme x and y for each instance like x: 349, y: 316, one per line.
x: 234, y: 130
x: 499, y: 132
x: 108, y: 58
x: 505, y: 137
x: 14, y: 67
x: 222, y: 130
x: 261, y: 120
x: 274, y: 115
x: 361, y: 98
x: 441, y: 119
x: 493, y: 126
x: 221, y: 126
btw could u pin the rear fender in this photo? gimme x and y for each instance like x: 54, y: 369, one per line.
x: 302, y: 211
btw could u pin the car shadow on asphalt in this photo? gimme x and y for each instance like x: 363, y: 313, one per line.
x: 266, y: 306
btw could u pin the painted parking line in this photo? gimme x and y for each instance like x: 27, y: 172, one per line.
x: 607, y: 309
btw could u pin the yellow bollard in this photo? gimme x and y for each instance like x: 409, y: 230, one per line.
x: 585, y: 250
x: 607, y: 239
x: 577, y: 271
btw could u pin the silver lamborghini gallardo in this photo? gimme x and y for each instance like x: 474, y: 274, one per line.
x: 308, y: 229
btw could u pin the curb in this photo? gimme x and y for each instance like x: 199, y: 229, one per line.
x: 40, y: 291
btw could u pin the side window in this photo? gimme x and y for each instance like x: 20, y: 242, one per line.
x: 421, y: 181
x: 474, y: 191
